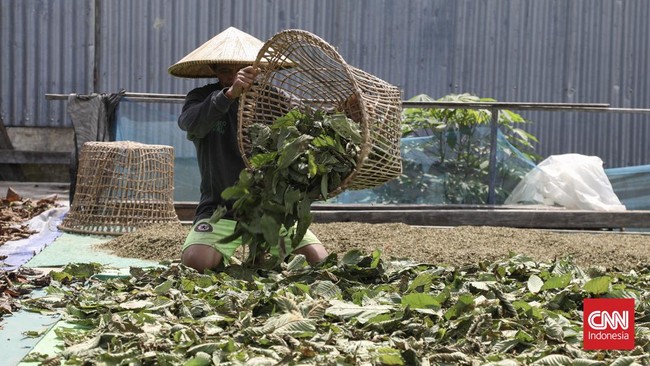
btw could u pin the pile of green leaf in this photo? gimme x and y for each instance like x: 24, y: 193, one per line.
x: 356, y: 310
x: 295, y: 161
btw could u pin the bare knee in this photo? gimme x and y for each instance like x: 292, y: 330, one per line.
x: 201, y: 257
x: 314, y: 253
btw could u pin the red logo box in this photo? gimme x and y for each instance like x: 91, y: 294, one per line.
x: 608, y: 324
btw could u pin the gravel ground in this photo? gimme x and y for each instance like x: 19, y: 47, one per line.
x: 441, y: 246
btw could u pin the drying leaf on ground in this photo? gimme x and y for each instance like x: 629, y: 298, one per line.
x: 353, y: 310
x: 15, y: 210
x: 16, y: 284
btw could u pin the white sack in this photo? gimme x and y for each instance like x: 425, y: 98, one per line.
x: 574, y: 181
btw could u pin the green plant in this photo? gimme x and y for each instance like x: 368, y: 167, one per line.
x: 462, y: 149
x: 300, y: 158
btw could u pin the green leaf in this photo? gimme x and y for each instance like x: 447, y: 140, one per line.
x: 626, y: 361
x: 598, y: 285
x: 504, y: 346
x: 288, y: 119
x: 586, y: 362
x: 528, y: 310
x: 291, y: 197
x: 187, y: 285
x: 503, y: 363
x: 345, y: 127
x: 463, y: 304
x: 524, y: 336
x: 553, y: 360
x: 163, y: 287
x: 323, y: 141
x: 418, y: 300
x: 311, y: 161
x: 376, y: 258
x: 233, y: 192
x: 323, y: 186
x: 79, y: 271
x: 218, y: 214
x: 136, y: 304
x: 258, y: 161
x: 352, y: 257
x: 301, y: 229
x: 561, y: 281
x: 421, y: 283
x: 201, y: 359
x: 325, y: 289
x: 298, y: 262
x: 61, y: 276
x: 553, y: 330
x: 389, y: 356
x: 293, y: 150
x: 347, y: 310
x: 480, y: 285
x: 208, y: 348
x: 270, y: 229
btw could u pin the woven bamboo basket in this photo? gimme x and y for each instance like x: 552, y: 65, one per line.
x: 299, y: 69
x: 122, y: 186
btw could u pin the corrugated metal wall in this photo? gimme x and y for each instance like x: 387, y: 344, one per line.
x: 45, y: 46
x: 517, y: 51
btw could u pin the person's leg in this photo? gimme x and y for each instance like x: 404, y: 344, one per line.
x: 314, y: 253
x: 202, y: 249
x: 311, y: 248
x: 201, y: 257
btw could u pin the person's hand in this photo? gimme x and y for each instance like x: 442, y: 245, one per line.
x: 243, y: 81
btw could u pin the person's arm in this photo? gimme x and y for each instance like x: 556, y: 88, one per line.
x: 200, y: 113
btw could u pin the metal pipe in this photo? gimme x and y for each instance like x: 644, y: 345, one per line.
x: 500, y: 105
x: 568, y: 107
x: 141, y: 97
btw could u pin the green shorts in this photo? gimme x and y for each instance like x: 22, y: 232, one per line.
x: 206, y: 233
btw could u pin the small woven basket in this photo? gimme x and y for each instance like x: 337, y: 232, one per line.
x: 299, y: 69
x: 122, y: 186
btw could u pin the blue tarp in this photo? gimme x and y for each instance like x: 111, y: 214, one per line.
x: 631, y: 185
x: 19, y: 252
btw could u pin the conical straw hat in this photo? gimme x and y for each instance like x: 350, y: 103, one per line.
x: 231, y: 46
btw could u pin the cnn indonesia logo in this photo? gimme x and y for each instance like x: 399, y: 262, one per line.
x: 608, y: 324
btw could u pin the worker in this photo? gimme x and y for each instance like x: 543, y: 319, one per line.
x: 209, y: 117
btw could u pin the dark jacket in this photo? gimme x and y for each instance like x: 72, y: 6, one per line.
x: 210, y: 120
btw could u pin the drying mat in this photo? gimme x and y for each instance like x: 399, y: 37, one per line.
x: 77, y: 248
x: 44, y: 226
x: 298, y: 69
x: 15, y: 345
x: 65, y: 249
x: 122, y: 186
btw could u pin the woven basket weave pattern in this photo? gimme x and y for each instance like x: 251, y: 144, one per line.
x: 122, y: 186
x: 298, y: 69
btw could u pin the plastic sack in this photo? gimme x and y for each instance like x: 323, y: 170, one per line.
x: 573, y: 181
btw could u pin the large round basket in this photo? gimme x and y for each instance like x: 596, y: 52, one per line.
x: 122, y: 186
x: 299, y: 69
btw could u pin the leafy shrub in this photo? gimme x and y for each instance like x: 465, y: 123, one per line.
x: 460, y: 152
